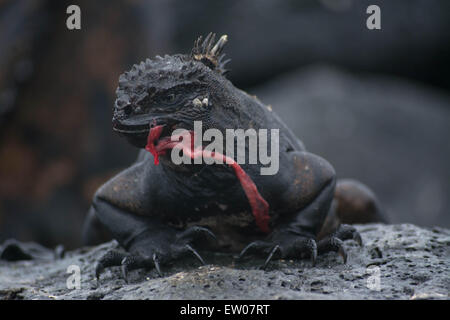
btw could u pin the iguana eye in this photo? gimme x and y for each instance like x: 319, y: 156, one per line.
x: 169, y: 99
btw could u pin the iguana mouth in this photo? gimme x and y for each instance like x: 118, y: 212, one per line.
x: 133, y: 125
x: 137, y: 130
x: 158, y: 145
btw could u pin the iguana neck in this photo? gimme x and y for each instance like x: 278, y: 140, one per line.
x: 238, y: 110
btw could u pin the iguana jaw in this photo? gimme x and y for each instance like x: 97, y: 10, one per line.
x: 136, y: 130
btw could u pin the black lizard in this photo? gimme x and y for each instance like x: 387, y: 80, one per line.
x: 157, y: 211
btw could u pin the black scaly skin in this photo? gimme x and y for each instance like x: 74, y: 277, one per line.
x: 157, y: 213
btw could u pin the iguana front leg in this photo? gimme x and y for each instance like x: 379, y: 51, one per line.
x: 308, y: 197
x: 147, y: 241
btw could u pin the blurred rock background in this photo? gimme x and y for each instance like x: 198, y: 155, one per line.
x: 376, y: 103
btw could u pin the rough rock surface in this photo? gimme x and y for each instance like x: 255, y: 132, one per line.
x: 412, y: 263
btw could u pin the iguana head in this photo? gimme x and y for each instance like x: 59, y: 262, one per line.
x: 171, y: 91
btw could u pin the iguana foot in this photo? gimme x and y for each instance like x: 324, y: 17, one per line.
x: 290, y: 245
x: 334, y: 241
x: 150, y: 251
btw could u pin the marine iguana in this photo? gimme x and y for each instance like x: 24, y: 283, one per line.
x: 157, y: 212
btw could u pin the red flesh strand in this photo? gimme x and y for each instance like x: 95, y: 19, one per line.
x: 260, y: 207
x: 153, y: 136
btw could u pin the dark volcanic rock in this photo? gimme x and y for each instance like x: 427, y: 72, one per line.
x: 274, y: 36
x: 387, y: 132
x: 412, y: 263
